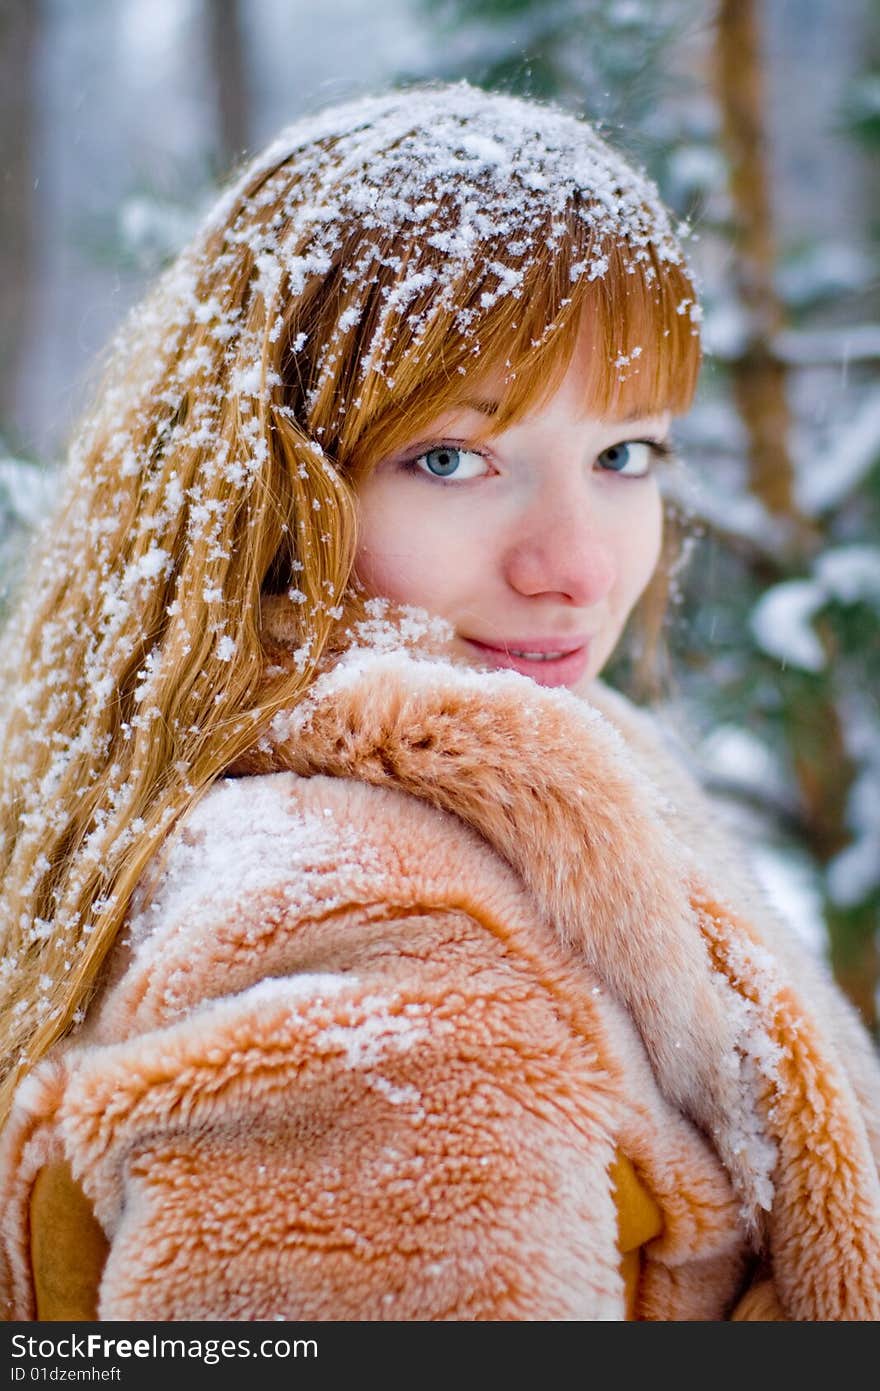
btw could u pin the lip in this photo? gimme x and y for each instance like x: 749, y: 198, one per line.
x: 565, y: 670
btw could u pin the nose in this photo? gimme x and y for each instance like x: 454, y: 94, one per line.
x: 560, y: 551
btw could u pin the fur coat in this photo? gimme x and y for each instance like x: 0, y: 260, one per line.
x: 409, y: 1003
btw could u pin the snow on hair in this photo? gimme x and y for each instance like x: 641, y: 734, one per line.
x: 375, y: 260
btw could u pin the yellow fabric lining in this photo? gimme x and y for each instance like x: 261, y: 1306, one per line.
x: 638, y: 1220
x: 68, y: 1248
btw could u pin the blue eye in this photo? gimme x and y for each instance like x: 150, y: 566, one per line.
x: 447, y: 461
x: 631, y: 458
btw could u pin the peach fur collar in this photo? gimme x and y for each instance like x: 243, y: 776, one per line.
x: 554, y: 789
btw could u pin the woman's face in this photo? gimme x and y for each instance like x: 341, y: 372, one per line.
x: 533, y: 543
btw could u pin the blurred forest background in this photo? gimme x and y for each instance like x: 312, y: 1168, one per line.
x: 759, y: 119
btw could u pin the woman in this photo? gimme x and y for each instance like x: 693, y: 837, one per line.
x: 365, y: 956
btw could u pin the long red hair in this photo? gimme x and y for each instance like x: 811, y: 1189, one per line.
x: 219, y: 465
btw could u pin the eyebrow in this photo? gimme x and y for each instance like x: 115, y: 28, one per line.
x: 635, y: 415
x: 490, y: 408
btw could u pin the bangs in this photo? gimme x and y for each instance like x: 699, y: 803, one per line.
x: 507, y: 329
x: 638, y: 323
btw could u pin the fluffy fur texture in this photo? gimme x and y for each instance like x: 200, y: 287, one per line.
x: 397, y: 992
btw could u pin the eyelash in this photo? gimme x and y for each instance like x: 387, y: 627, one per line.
x: 411, y: 464
x: 661, y: 449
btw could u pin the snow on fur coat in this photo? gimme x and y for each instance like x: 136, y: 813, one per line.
x: 401, y: 996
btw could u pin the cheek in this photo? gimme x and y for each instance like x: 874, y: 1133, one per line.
x: 640, y: 543
x: 404, y: 553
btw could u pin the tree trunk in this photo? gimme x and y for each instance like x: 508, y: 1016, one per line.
x: 758, y: 378
x: 20, y: 24
x: 822, y: 768
x: 226, y: 45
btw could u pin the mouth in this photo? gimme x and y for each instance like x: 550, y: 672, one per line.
x: 548, y: 661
